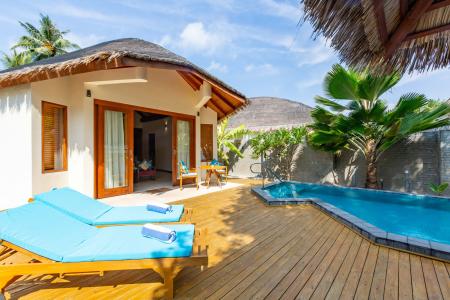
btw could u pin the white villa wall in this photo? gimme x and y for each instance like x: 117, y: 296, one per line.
x: 165, y: 90
x: 16, y: 145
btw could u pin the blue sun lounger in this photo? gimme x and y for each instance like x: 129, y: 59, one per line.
x: 60, y: 244
x: 93, y: 212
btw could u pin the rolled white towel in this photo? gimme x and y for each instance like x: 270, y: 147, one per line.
x: 161, y: 233
x: 159, y: 207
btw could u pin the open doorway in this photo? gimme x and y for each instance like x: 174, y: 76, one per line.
x: 152, y: 151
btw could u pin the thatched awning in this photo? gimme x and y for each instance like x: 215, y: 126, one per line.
x: 125, y: 53
x: 406, y: 35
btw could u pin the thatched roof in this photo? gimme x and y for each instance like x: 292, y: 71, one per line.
x: 407, y: 35
x: 121, y: 53
x: 266, y: 113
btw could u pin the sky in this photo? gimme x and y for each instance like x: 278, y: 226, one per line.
x: 259, y: 47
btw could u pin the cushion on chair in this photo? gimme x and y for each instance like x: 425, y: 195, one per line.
x: 75, y: 204
x: 43, y: 230
x: 138, y: 215
x: 184, y: 167
x: 93, y: 212
x: 127, y: 242
x: 189, y: 175
x: 215, y: 162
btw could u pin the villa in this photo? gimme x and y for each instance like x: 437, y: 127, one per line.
x: 80, y: 119
x: 90, y: 138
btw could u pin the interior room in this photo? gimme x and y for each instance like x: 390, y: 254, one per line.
x: 152, y: 151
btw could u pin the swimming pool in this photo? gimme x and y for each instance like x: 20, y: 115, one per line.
x: 414, y: 220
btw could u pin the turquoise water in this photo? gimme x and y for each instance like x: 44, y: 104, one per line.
x: 424, y: 217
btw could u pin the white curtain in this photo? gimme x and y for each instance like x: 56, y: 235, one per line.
x: 183, y: 142
x: 115, y: 165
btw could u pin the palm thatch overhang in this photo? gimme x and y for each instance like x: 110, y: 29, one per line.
x: 124, y: 53
x: 386, y: 35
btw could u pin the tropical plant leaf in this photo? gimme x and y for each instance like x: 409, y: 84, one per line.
x: 341, y: 84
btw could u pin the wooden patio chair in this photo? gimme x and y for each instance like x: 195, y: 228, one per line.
x: 222, y: 171
x: 184, y: 173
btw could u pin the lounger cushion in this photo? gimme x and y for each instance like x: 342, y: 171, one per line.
x: 43, y: 230
x: 127, y: 242
x: 75, y: 204
x: 93, y: 212
x: 138, y: 215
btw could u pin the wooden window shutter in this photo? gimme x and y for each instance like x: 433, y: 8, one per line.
x: 206, y: 141
x: 54, y: 137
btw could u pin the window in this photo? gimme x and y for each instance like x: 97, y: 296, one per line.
x: 54, y: 137
x: 206, y: 140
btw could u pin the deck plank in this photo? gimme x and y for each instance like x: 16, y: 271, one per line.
x: 260, y: 252
x: 299, y: 282
x: 365, y: 281
x: 404, y: 276
x: 287, y: 280
x: 431, y: 281
x: 443, y: 278
x: 340, y: 279
x: 379, y: 276
x: 391, y: 288
x: 351, y: 284
x: 417, y: 279
x: 329, y: 277
x: 261, y: 283
x: 322, y: 277
x: 237, y: 284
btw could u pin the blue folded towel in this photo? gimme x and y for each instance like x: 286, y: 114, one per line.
x: 161, y: 233
x: 159, y: 207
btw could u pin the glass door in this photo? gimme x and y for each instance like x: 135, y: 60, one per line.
x: 115, y: 151
x: 183, y: 145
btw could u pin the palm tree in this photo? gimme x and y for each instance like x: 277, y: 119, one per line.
x: 226, y: 140
x: 45, y: 42
x: 358, y: 120
x: 15, y: 59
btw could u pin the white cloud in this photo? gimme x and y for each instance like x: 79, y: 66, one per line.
x: 263, y: 69
x: 304, y: 84
x: 5, y: 19
x: 165, y: 40
x: 85, y: 40
x: 282, y: 9
x: 195, y: 37
x: 70, y: 10
x: 314, y: 55
x: 215, y: 66
x: 407, y: 79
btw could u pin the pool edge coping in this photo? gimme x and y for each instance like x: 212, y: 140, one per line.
x: 373, y: 233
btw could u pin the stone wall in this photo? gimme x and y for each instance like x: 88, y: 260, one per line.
x: 425, y: 156
x: 445, y: 155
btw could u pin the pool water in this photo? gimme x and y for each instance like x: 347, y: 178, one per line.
x: 419, y: 216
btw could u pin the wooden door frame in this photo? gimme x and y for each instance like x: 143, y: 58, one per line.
x: 192, y: 154
x: 133, y: 108
x: 99, y: 167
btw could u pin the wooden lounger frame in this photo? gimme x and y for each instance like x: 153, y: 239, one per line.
x: 167, y: 268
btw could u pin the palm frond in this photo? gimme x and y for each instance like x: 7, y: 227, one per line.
x: 341, y: 84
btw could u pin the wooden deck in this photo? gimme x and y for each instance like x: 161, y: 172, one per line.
x: 267, y: 252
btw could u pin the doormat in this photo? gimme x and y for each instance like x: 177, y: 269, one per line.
x: 158, y: 191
